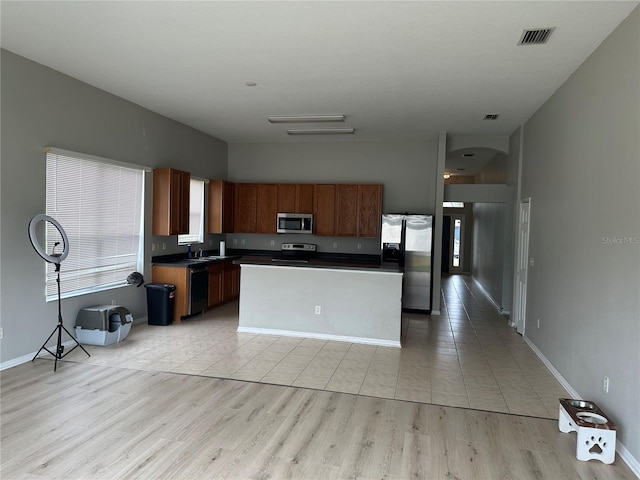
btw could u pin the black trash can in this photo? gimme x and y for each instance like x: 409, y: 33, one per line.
x: 160, y: 299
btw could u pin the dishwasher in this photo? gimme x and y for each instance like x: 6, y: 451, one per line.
x: 198, y: 289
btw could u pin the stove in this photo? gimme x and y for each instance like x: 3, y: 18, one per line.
x: 296, y: 252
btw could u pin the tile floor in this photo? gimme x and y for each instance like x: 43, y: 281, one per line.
x: 466, y: 357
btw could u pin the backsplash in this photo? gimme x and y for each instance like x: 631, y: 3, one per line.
x: 331, y: 245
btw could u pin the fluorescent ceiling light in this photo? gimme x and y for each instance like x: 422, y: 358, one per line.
x: 320, y: 131
x: 305, y: 118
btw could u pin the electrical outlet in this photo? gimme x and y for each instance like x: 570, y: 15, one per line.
x: 235, y: 241
x: 605, y: 385
x: 164, y: 246
x: 242, y: 241
x: 335, y: 244
x: 538, y: 323
x: 273, y: 243
x: 318, y: 309
x: 211, y: 242
x: 359, y: 246
x: 113, y: 302
x: 153, y: 247
x: 1, y: 332
x: 531, y: 262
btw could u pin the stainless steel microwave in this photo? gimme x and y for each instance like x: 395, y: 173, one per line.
x: 295, y: 223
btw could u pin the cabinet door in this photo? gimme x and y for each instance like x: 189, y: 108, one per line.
x: 231, y: 281
x: 220, y: 207
x: 287, y: 198
x: 369, y: 210
x: 215, y: 284
x: 324, y: 202
x: 304, y: 198
x: 245, y: 206
x: 346, y: 210
x: 178, y: 276
x: 170, y: 201
x: 267, y: 208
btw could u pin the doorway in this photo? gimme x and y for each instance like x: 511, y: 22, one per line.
x: 520, y: 300
x: 453, y: 244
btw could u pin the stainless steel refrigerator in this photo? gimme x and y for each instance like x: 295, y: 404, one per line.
x: 407, y: 240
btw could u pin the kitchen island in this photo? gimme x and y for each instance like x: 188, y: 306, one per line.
x: 352, y: 303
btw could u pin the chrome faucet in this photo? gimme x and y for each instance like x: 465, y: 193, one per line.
x: 199, y: 254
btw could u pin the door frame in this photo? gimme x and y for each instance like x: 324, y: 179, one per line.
x: 521, y: 275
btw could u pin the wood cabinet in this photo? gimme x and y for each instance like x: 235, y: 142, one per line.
x: 246, y: 208
x: 231, y: 279
x: 267, y: 208
x: 216, y: 284
x: 170, y: 201
x: 220, y: 206
x: 324, y: 201
x: 369, y: 210
x: 178, y: 276
x: 346, y: 210
x: 295, y: 197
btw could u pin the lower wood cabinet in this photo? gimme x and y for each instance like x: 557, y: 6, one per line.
x: 216, y: 283
x: 231, y: 279
x: 178, y: 276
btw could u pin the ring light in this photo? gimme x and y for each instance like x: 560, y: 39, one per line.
x: 54, y: 257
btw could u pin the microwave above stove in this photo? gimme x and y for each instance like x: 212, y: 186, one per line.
x: 295, y: 223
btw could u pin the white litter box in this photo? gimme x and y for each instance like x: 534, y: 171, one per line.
x: 103, y: 324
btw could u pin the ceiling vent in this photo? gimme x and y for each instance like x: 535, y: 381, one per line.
x: 491, y: 116
x: 537, y: 36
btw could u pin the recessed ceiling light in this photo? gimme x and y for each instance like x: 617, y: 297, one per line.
x: 447, y: 175
x: 305, y: 118
x: 320, y: 131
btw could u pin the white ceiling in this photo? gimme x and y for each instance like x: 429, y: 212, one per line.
x: 398, y: 70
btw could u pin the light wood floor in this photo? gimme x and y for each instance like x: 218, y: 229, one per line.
x: 95, y: 422
x: 466, y: 357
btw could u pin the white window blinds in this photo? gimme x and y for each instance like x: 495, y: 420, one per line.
x: 100, y: 206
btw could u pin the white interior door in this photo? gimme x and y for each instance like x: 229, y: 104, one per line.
x: 520, y: 300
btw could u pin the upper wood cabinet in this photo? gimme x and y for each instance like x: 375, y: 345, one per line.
x: 170, y: 201
x: 220, y: 206
x: 246, y: 208
x: 267, y: 208
x: 346, y: 210
x: 369, y: 210
x: 295, y: 198
x: 324, y: 201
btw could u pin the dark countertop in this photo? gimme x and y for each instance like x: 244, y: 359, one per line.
x: 176, y: 261
x: 320, y: 263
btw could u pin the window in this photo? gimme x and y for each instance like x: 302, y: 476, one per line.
x: 196, y: 214
x: 100, y: 205
x: 453, y: 204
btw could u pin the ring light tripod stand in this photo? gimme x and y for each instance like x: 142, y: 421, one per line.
x: 56, y: 259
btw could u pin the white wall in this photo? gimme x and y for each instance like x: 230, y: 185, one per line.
x: 42, y: 107
x: 581, y: 168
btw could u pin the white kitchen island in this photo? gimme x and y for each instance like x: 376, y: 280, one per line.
x: 359, y: 305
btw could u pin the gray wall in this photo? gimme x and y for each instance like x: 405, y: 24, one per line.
x: 581, y: 168
x: 407, y: 170
x: 42, y: 107
x: 489, y: 249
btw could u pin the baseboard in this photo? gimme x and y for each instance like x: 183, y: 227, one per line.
x: 320, y: 336
x: 621, y: 450
x: 29, y: 356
